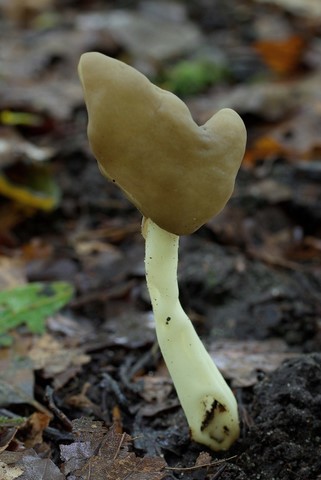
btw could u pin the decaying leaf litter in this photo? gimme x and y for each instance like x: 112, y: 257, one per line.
x: 249, y: 279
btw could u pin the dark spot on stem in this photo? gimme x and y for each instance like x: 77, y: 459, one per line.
x: 168, y: 319
x: 216, y: 407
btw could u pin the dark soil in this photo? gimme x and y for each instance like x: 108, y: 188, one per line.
x: 283, y: 441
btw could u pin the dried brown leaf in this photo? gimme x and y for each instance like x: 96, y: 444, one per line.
x: 156, y: 388
x: 204, y: 458
x: 6, y: 436
x: 34, y: 427
x: 31, y: 465
x: 282, y: 55
x: 240, y: 361
x: 53, y: 358
x: 101, y: 455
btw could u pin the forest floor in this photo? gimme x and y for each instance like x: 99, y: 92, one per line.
x: 84, y: 392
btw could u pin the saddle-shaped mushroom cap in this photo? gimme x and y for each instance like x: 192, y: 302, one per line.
x: 175, y: 172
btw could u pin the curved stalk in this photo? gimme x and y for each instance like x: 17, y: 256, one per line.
x: 209, y: 404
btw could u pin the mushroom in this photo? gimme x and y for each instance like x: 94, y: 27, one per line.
x: 179, y: 175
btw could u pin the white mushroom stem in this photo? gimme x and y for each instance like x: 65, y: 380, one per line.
x: 208, y: 402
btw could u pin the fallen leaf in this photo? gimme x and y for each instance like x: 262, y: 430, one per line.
x: 156, y: 389
x: 283, y: 56
x: 6, y: 436
x: 15, y: 118
x: 264, y: 148
x: 204, y: 458
x: 31, y: 465
x: 37, y: 248
x: 299, y: 137
x: 12, y: 422
x: 101, y: 455
x: 9, y: 473
x: 242, y: 361
x: 34, y: 427
x: 30, y: 185
x: 56, y: 360
x: 17, y: 381
x: 31, y: 304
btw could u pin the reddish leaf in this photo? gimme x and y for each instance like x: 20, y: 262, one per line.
x: 282, y: 56
x: 263, y: 148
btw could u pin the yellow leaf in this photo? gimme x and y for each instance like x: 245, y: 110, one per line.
x: 38, y: 190
x: 9, y: 117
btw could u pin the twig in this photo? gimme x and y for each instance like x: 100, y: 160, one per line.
x: 49, y: 394
x: 120, y: 445
x: 204, y: 465
x: 108, y: 382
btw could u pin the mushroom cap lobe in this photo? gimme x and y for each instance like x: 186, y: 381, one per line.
x: 145, y: 140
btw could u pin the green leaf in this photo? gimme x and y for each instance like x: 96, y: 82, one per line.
x: 5, y: 340
x: 189, y: 77
x: 31, y: 304
x: 6, y: 422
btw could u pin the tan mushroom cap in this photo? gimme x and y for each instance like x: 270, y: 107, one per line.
x: 175, y: 172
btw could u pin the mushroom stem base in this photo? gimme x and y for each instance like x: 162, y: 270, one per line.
x: 209, y: 404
